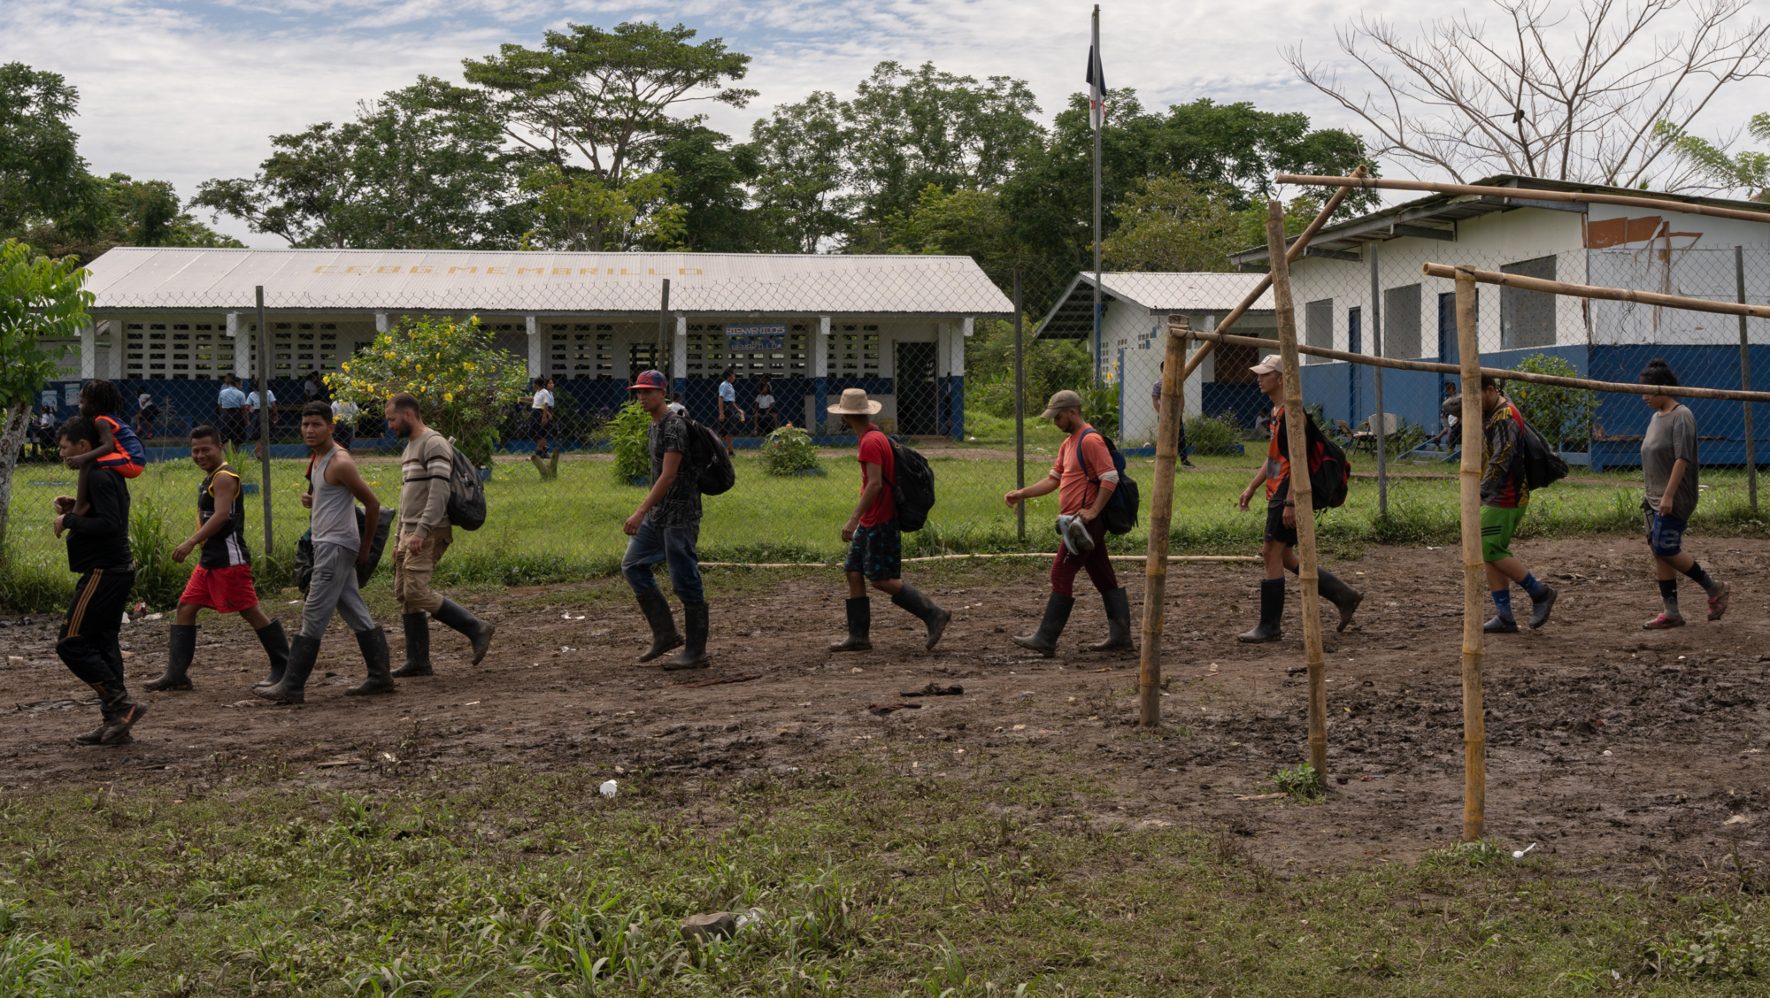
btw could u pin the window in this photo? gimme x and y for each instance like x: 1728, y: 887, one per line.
x: 710, y: 351
x: 1318, y: 326
x: 177, y: 351
x: 854, y: 351
x: 1527, y: 318
x: 582, y: 350
x: 1401, y: 321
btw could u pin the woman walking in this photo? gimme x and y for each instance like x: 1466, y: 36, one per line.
x: 1669, y: 465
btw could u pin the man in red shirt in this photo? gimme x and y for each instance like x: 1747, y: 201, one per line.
x: 875, y: 545
x: 1279, y: 551
x: 1083, y: 476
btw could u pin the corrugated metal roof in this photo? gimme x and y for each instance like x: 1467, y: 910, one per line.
x: 128, y: 278
x: 1162, y: 293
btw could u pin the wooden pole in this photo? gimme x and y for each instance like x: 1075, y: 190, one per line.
x: 1644, y: 199
x: 1608, y: 294
x: 1474, y: 574
x: 1161, y: 506
x: 1301, y: 493
x: 1633, y: 388
x: 1295, y: 251
x: 1745, y: 383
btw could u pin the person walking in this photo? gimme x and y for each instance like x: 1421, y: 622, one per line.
x: 230, y: 410
x: 731, y: 418
x: 255, y: 431
x: 340, y: 546
x: 98, y: 552
x: 1278, y: 551
x: 1083, y: 476
x: 1504, y: 499
x: 426, y: 465
x: 1669, y: 465
x: 665, y: 528
x: 541, y: 414
x: 875, y: 545
x: 1155, y: 399
x: 222, y: 580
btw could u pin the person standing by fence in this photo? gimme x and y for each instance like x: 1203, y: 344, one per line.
x: 731, y: 418
x: 1669, y: 465
x: 260, y: 398
x: 1155, y: 399
x: 541, y: 414
x: 230, y: 410
x: 424, y: 535
x: 1504, y: 499
x: 1278, y: 551
x: 1084, y: 477
x: 665, y: 528
x: 875, y: 544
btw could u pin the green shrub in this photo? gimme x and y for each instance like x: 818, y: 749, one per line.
x: 158, y: 579
x: 1210, y: 435
x: 1300, y: 782
x: 788, y: 451
x: 630, y: 435
x: 1100, y: 407
x: 1562, y: 416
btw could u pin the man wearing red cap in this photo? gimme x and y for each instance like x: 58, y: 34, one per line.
x: 665, y: 528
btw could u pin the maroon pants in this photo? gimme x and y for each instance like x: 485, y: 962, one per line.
x: 1065, y: 566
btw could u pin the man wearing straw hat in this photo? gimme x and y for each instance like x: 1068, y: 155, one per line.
x: 1279, y: 551
x: 875, y: 545
x: 1083, y: 476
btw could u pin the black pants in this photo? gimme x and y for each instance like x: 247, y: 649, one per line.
x: 88, y: 639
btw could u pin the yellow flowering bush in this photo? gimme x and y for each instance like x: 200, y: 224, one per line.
x: 464, y: 383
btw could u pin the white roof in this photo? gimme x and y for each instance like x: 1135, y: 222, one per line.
x: 128, y: 278
x: 1161, y: 293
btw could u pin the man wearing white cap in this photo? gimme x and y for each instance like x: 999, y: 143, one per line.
x: 1279, y: 552
x: 875, y: 544
x: 1084, y: 477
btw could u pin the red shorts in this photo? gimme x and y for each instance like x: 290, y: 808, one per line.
x: 224, y: 590
x: 122, y: 464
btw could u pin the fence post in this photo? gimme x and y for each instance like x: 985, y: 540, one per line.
x: 1381, y: 424
x: 1745, y: 383
x: 1161, y: 508
x: 263, y: 378
x: 664, y: 333
x: 1019, y: 406
x: 1474, y: 578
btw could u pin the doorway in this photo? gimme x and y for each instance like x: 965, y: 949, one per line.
x: 917, y: 393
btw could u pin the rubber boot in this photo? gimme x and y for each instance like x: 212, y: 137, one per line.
x: 664, y: 635
x: 1539, y: 609
x: 1118, y: 621
x: 121, y: 715
x: 454, y: 616
x: 292, y: 688
x: 1342, y: 596
x: 1044, y: 640
x: 417, y: 628
x: 110, y: 703
x: 925, y: 610
x: 373, y: 643
x: 181, y: 647
x: 276, y: 648
x: 694, y: 652
x: 860, y: 626
x: 1271, y: 623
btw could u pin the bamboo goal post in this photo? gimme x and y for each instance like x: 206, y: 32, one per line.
x: 1161, y: 508
x: 1474, y: 572
x: 1302, y: 493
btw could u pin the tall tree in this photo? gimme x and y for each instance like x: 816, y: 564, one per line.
x: 710, y: 175
x: 124, y: 211
x: 575, y: 210
x: 1172, y: 224
x: 40, y: 300
x: 801, y: 152
x: 42, y: 176
x: 1595, y: 94
x: 1745, y: 173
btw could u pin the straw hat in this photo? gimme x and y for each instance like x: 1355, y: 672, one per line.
x: 855, y: 403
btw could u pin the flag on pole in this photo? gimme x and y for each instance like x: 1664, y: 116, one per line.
x: 1096, y: 89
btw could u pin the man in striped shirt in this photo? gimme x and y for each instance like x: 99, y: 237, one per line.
x: 424, y: 534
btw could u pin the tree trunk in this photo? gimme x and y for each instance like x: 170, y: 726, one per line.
x: 12, y: 437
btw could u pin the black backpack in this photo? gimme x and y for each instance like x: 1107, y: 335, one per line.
x: 1120, y: 513
x: 467, y: 494
x: 304, y: 550
x: 1330, y: 474
x: 706, y: 457
x: 912, y: 486
x: 1536, y: 461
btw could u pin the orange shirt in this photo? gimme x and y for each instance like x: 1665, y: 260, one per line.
x: 1278, y: 467
x: 1076, y: 490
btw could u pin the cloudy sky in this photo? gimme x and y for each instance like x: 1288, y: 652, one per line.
x: 185, y: 90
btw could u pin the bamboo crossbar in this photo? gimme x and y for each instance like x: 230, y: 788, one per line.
x: 1642, y: 200
x: 1503, y: 373
x: 1655, y: 298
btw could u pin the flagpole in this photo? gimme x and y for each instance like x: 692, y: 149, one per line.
x: 1098, y: 114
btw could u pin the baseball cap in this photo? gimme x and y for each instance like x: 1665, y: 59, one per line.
x: 1269, y: 364
x: 649, y: 379
x: 1064, y: 399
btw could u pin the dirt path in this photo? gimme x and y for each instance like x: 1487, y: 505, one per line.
x: 1613, y: 747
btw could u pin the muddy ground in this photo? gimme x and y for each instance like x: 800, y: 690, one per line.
x: 1619, y: 751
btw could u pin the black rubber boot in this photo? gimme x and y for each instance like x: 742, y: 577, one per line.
x: 303, y: 653
x: 925, y: 610
x: 417, y: 628
x: 1271, y: 623
x: 276, y: 648
x: 1539, y: 609
x: 694, y: 652
x: 373, y: 643
x: 454, y: 616
x: 664, y: 635
x: 181, y: 647
x: 1342, y: 596
x: 1044, y: 640
x: 123, y: 717
x: 1118, y: 621
x: 860, y: 626
x: 110, y: 704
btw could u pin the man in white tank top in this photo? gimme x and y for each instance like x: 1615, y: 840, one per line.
x: 339, y: 546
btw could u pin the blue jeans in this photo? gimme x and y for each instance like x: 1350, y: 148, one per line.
x: 674, y: 545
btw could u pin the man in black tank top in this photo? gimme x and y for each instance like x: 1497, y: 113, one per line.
x: 222, y: 580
